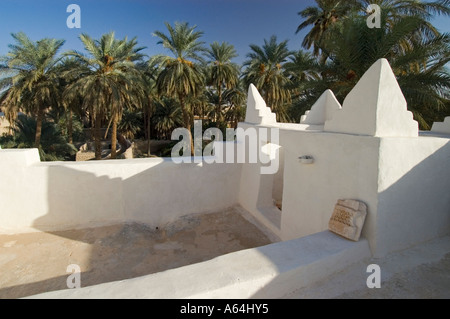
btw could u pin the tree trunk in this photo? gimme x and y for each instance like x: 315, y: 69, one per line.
x: 114, y: 138
x: 40, y: 116
x: 70, y: 127
x: 186, y: 120
x: 219, y: 106
x: 149, y: 122
x: 97, y: 138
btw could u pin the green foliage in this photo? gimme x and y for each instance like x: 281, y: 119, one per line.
x: 107, y: 79
x: 113, y: 86
x: 29, y: 78
x: 53, y: 147
x: 265, y: 69
x: 179, y: 76
x: 222, y: 74
x: 416, y: 51
x: 131, y: 123
x: 167, y: 117
x: 78, y: 133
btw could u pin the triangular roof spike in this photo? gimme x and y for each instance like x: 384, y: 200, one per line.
x: 376, y: 107
x: 257, y: 110
x: 442, y: 127
x: 323, y: 110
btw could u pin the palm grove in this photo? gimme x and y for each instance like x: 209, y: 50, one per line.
x: 50, y: 96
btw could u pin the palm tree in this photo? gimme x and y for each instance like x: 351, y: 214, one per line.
x: 264, y: 68
x: 131, y: 123
x: 236, y: 98
x: 395, y: 10
x: 167, y: 117
x: 321, y: 17
x: 329, y: 13
x: 108, y: 80
x: 420, y: 70
x: 28, y: 75
x: 149, y: 74
x: 53, y: 147
x: 73, y: 110
x: 305, y: 72
x: 179, y: 75
x: 222, y: 74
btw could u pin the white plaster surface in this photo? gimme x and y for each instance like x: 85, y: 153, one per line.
x: 413, y: 192
x: 323, y: 110
x: 270, y: 271
x: 404, y: 182
x: 380, y: 160
x: 442, y: 127
x: 375, y: 107
x: 64, y: 195
x: 420, y: 272
x: 257, y: 191
x: 257, y: 110
x: 345, y: 166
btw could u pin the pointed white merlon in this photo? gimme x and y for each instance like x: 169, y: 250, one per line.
x: 442, y: 127
x: 257, y: 110
x: 323, y: 110
x: 376, y: 107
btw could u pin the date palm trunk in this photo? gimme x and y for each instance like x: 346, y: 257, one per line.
x: 70, y: 127
x: 114, y: 138
x: 39, y: 118
x: 186, y: 120
x: 97, y: 137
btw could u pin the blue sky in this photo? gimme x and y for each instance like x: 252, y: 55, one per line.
x: 239, y: 22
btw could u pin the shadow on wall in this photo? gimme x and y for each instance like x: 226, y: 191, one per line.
x: 78, y: 198
x: 413, y: 209
x: 414, y: 205
x: 125, y: 195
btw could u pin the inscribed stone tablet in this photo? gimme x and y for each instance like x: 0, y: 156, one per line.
x: 348, y: 218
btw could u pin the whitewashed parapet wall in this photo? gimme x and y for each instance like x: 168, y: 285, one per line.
x: 323, y: 110
x: 257, y: 110
x: 375, y: 107
x: 37, y: 195
x: 442, y: 127
x: 369, y: 150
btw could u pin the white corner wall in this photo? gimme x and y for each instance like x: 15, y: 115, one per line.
x: 63, y: 195
x: 345, y: 166
x: 404, y: 181
x: 414, y: 192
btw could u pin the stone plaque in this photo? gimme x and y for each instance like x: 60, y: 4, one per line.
x: 348, y: 218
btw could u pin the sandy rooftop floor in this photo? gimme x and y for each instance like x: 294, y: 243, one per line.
x: 33, y: 263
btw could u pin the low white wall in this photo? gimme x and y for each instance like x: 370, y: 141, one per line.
x: 62, y: 195
x: 272, y: 271
x: 404, y: 181
x: 345, y: 166
x: 414, y: 192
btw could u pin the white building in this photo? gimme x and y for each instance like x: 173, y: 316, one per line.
x: 370, y: 150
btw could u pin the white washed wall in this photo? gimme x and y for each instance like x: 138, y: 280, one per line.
x: 45, y: 196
